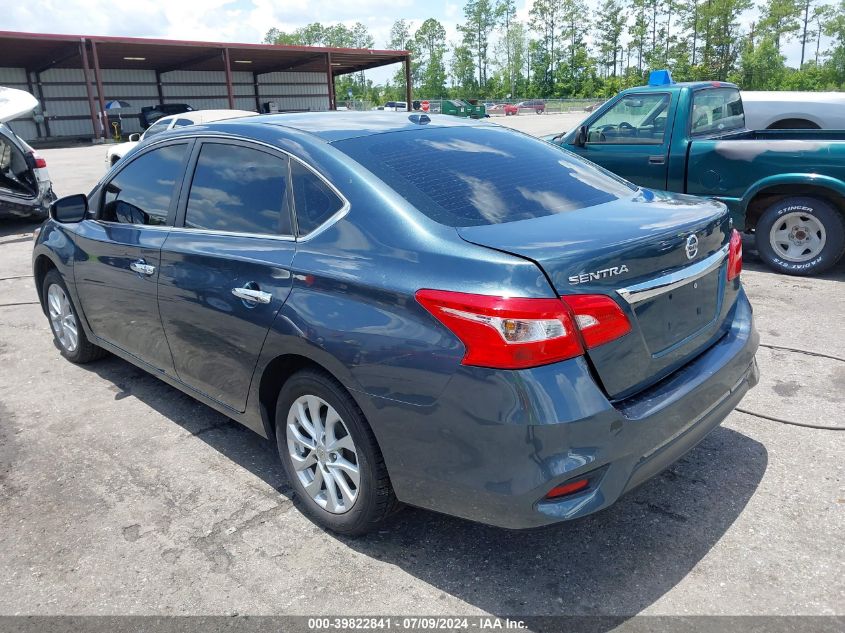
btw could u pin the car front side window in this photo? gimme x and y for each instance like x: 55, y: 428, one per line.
x: 239, y: 190
x: 142, y: 192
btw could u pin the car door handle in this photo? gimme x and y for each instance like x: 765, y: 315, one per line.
x: 252, y: 295
x: 142, y: 268
x: 656, y: 160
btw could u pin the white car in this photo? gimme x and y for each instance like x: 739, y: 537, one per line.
x: 25, y: 187
x: 782, y: 110
x: 116, y: 152
x: 393, y: 106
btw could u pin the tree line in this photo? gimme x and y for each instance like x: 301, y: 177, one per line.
x: 569, y: 49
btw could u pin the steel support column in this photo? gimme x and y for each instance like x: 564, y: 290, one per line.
x: 43, y: 106
x: 230, y: 92
x: 159, y: 88
x: 408, y: 82
x: 86, y: 69
x: 255, y: 91
x: 330, y: 82
x: 32, y: 92
x: 100, y: 94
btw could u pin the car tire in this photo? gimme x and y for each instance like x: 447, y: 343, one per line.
x: 312, y: 394
x: 67, y: 330
x: 539, y: 111
x: 801, y: 235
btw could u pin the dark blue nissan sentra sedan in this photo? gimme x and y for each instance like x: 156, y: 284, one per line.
x: 418, y: 309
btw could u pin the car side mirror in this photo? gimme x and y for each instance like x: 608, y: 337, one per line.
x: 580, y: 139
x: 70, y: 208
x: 134, y: 138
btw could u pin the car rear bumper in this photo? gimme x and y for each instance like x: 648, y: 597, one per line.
x: 496, y: 441
x: 35, y: 208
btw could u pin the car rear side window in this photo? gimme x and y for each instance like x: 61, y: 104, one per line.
x: 240, y: 190
x: 468, y: 176
x: 314, y: 200
x: 142, y: 191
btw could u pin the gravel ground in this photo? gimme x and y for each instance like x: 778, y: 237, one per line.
x: 119, y: 494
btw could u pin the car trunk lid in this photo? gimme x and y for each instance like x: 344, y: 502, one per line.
x: 661, y: 257
x: 15, y: 103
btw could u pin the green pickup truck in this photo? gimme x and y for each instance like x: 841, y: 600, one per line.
x: 787, y: 186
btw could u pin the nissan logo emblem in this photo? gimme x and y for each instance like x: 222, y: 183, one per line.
x: 692, y: 246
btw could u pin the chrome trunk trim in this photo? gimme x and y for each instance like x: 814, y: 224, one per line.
x: 666, y: 283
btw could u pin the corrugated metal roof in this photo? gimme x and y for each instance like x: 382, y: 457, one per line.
x: 38, y: 51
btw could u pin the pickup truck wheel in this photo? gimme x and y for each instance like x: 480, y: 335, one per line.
x: 801, y: 236
x: 331, y: 456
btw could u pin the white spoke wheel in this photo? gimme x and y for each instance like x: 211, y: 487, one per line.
x: 801, y: 235
x: 798, y: 237
x: 330, y: 455
x: 323, y: 454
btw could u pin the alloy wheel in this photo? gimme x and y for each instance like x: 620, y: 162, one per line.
x: 62, y: 319
x: 323, y: 454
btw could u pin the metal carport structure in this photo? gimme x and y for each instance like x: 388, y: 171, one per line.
x: 74, y: 76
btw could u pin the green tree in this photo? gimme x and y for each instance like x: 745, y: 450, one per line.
x: 834, y: 27
x: 506, y: 14
x: 430, y: 41
x: 780, y: 20
x: 480, y: 21
x: 545, y: 19
x: 761, y: 65
x: 464, y: 81
x: 608, y: 36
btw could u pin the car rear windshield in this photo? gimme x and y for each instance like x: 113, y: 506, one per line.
x: 469, y: 176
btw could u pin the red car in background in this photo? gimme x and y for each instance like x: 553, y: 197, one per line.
x: 535, y: 105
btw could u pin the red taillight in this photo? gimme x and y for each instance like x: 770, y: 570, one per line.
x: 505, y: 332
x: 568, y: 488
x: 735, y: 255
x: 599, y: 318
x: 516, y: 333
x: 39, y: 161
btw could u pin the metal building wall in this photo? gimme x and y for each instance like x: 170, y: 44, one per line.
x: 295, y: 90
x: 16, y: 78
x: 65, y: 100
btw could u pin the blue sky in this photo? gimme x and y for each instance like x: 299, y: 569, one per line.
x: 241, y: 20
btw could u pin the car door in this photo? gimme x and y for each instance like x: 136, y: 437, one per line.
x: 631, y: 138
x: 225, y: 268
x: 118, y: 265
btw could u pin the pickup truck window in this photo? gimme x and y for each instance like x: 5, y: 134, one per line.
x: 636, y: 119
x: 716, y: 110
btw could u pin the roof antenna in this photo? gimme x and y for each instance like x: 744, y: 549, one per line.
x: 419, y: 119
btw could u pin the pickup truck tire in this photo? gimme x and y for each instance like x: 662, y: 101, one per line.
x: 801, y: 235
